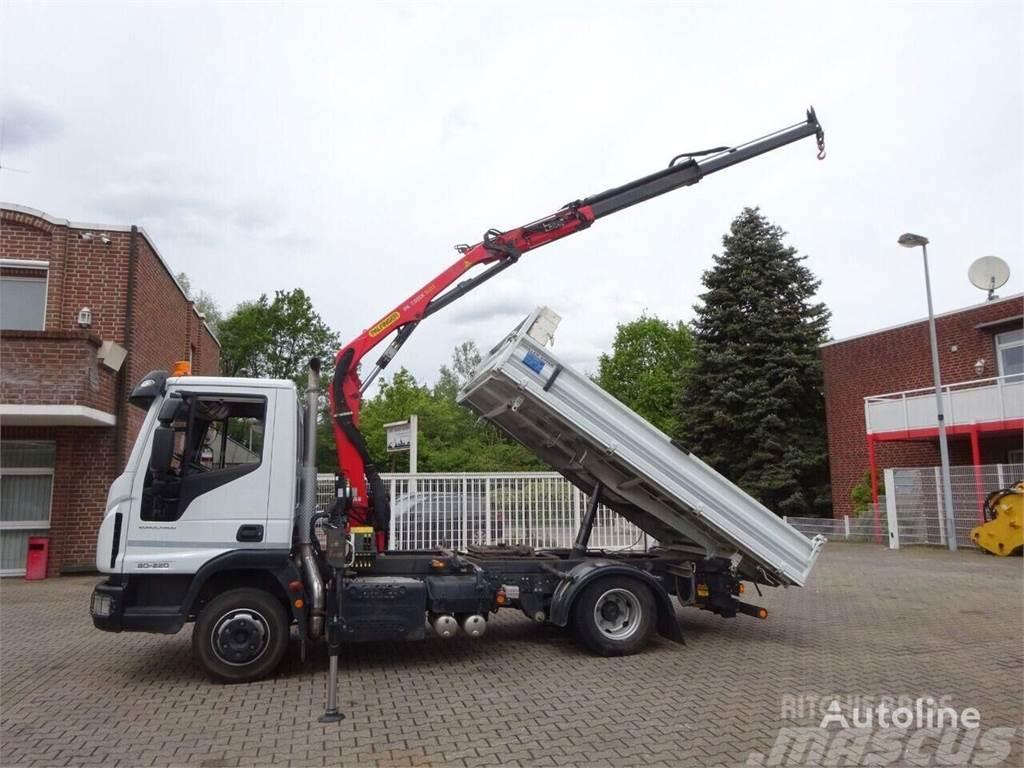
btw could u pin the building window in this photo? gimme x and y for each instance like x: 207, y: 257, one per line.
x: 1010, y: 353
x: 26, y: 489
x: 22, y: 295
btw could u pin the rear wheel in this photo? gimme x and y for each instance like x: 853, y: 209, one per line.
x: 241, y: 635
x: 615, y: 616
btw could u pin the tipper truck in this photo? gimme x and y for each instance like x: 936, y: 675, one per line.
x: 214, y: 520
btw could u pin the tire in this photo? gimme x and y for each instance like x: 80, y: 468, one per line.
x: 615, y: 616
x: 241, y: 635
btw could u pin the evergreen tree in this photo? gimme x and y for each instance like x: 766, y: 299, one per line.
x: 753, y: 406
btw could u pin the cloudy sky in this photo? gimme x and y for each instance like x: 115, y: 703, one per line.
x: 345, y: 147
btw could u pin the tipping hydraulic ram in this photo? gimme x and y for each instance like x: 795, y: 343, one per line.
x: 497, y: 251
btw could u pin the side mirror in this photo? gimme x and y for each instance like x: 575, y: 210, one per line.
x: 163, y: 450
x: 172, y: 409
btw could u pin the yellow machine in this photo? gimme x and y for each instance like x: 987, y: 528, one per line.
x: 1003, y: 534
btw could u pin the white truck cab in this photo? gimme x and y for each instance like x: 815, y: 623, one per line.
x: 234, y: 464
x: 207, y: 505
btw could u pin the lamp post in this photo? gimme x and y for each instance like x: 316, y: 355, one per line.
x: 909, y: 240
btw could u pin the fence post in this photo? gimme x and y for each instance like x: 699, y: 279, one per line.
x: 846, y: 527
x: 575, y: 510
x: 465, y: 510
x: 999, y: 476
x: 890, y: 509
x: 396, y: 537
x: 939, y: 507
x: 487, y: 511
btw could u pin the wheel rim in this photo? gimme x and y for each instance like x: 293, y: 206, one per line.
x: 617, y: 614
x: 240, y: 637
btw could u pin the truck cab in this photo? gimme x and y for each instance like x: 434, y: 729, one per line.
x: 206, y: 503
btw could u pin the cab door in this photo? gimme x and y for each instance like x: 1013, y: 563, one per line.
x: 214, y: 496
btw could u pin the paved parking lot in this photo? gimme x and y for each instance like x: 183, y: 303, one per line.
x: 871, y: 623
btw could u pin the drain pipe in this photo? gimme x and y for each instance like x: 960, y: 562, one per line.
x: 310, y: 567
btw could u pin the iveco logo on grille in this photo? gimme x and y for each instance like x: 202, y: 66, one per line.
x: 142, y: 566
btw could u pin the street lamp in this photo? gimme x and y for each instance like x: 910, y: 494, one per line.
x: 909, y: 240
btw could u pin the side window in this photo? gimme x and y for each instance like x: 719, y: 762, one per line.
x: 1010, y: 354
x: 226, y: 433
x: 23, y: 295
x: 219, y: 438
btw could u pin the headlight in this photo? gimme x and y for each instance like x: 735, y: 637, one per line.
x: 101, y: 604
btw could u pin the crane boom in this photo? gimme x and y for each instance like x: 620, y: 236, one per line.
x: 496, y: 252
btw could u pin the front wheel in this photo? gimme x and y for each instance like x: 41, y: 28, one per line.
x: 241, y: 635
x: 615, y: 616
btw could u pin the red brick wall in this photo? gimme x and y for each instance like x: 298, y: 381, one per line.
x: 95, y: 275
x: 209, y: 352
x: 54, y: 368
x: 59, y: 365
x: 896, y: 360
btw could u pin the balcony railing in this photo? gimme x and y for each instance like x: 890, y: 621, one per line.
x: 966, y: 403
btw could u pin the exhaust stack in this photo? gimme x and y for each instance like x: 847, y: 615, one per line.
x: 310, y: 568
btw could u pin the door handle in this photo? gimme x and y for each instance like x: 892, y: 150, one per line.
x: 250, y: 533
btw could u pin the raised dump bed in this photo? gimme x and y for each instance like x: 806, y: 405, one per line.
x: 591, y: 438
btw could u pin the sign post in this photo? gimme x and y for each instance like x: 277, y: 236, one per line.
x: 404, y: 436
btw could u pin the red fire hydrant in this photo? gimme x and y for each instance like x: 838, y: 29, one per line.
x: 38, y: 555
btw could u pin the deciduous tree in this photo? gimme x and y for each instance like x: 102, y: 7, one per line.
x: 275, y: 338
x: 646, y: 368
x: 204, y: 302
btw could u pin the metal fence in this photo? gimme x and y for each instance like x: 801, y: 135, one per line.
x: 867, y: 527
x: 914, y: 504
x: 541, y: 509
x: 911, y: 512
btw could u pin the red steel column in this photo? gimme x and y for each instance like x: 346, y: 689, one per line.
x: 979, y: 485
x: 873, y: 466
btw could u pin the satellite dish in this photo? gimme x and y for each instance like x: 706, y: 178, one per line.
x: 989, y: 273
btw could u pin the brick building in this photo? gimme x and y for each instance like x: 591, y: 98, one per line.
x: 85, y: 311
x: 880, y: 398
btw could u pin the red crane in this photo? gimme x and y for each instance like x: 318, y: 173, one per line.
x: 497, y: 251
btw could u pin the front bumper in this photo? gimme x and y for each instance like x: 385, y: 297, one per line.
x: 111, y: 613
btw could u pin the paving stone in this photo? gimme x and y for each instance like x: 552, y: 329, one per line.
x: 871, y: 622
